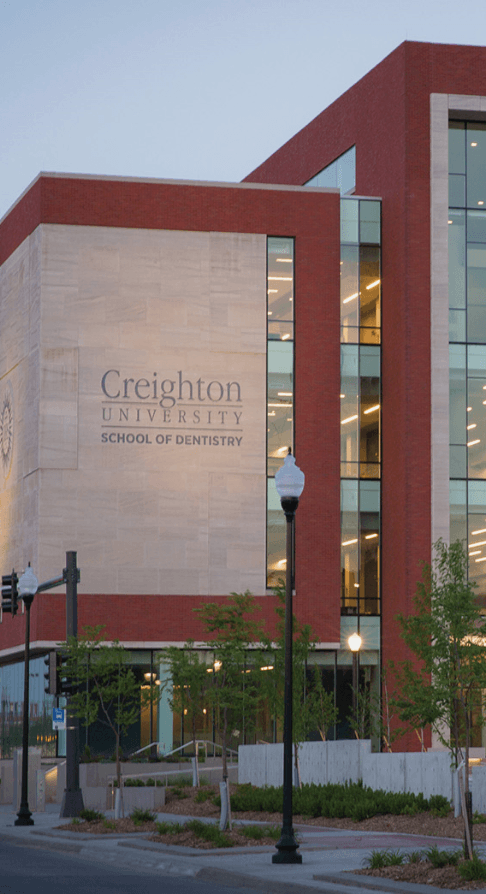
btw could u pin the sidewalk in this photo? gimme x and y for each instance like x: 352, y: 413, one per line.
x: 326, y: 855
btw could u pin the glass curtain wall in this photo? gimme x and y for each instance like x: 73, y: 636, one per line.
x: 360, y: 406
x: 467, y: 337
x: 280, y: 400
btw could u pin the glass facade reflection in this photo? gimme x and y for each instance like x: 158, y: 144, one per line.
x: 41, y: 733
x: 467, y: 336
x: 280, y: 401
x: 341, y: 173
x: 360, y: 407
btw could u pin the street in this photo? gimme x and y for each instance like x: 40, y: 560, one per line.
x: 25, y: 869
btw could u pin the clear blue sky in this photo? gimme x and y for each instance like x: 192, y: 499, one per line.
x: 188, y: 89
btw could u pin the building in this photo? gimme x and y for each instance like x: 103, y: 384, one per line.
x: 164, y: 342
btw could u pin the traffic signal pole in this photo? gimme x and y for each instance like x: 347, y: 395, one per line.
x: 72, y: 802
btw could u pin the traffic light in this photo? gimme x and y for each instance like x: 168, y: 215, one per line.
x: 10, y: 593
x: 64, y: 685
x: 50, y: 675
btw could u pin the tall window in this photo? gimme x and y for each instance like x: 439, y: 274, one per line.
x: 280, y: 397
x: 467, y: 337
x: 360, y: 406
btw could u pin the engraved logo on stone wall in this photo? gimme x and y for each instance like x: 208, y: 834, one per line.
x: 6, y: 428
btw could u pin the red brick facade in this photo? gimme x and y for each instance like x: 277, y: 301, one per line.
x: 313, y: 219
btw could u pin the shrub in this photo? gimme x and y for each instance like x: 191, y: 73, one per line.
x: 139, y: 815
x: 473, y: 870
x: 91, y: 816
x: 351, y: 800
x: 203, y: 795
x: 259, y: 832
x: 209, y: 832
x: 109, y: 824
x: 439, y: 859
x: 165, y: 828
x: 380, y: 859
x: 185, y: 780
x: 413, y: 857
x: 134, y: 783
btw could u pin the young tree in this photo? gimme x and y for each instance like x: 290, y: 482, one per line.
x: 446, y: 635
x: 105, y: 687
x: 187, y: 682
x: 312, y: 707
x: 234, y: 689
x: 322, y: 710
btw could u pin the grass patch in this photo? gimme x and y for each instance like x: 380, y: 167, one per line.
x: 472, y: 870
x: 439, y: 859
x: 381, y: 859
x: 139, y: 816
x: 259, y: 832
x: 91, y: 816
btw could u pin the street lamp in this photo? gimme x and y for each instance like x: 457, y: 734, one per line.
x: 289, y: 482
x: 27, y: 588
x: 354, y: 643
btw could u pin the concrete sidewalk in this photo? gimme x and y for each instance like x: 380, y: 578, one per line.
x: 327, y: 854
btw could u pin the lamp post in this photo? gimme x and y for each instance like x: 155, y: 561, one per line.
x: 354, y: 643
x: 27, y: 588
x: 289, y: 482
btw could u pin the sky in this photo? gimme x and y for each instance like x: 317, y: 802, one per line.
x: 188, y: 89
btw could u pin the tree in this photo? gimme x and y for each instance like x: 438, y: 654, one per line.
x: 312, y: 707
x: 234, y: 689
x: 322, y: 710
x: 187, y: 681
x: 105, y: 687
x: 446, y: 636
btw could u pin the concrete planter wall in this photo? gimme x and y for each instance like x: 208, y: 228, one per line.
x: 350, y: 761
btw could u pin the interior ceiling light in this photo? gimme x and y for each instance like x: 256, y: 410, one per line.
x: 449, y: 221
x: 474, y: 545
x: 481, y: 560
x: 472, y: 443
x: 468, y: 409
x: 280, y: 278
x: 481, y: 531
x: 349, y: 419
x: 284, y: 260
x: 270, y: 312
x: 272, y: 291
x: 373, y: 284
x: 286, y: 336
x: 279, y: 405
x: 357, y: 586
x: 271, y: 414
x: 475, y: 553
x: 284, y: 393
x: 372, y: 409
x: 351, y: 298
x: 473, y: 425
x: 342, y: 395
x: 480, y: 203
x: 370, y: 536
x: 474, y: 144
x: 349, y: 542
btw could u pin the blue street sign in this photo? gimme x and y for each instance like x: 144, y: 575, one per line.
x: 59, y: 718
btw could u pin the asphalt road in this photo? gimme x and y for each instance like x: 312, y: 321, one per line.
x: 24, y: 870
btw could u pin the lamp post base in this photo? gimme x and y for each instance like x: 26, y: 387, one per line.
x: 287, y: 849
x: 24, y: 816
x: 72, y: 803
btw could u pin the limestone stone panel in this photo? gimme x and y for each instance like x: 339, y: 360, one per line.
x: 158, y: 481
